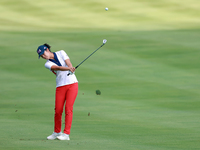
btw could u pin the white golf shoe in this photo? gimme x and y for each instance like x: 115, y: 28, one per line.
x: 63, y: 137
x: 54, y: 136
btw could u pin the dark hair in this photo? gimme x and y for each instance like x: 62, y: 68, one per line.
x: 48, y: 46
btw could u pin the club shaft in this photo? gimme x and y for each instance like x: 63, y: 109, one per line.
x: 87, y: 57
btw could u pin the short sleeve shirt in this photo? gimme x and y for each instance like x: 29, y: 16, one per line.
x: 62, y: 77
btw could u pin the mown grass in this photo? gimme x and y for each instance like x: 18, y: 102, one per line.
x: 148, y: 75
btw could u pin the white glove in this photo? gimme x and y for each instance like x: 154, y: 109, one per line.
x: 70, y: 73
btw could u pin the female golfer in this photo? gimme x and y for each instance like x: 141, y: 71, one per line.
x: 66, y: 89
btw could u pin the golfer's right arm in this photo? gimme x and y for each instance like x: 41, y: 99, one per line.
x: 61, y: 68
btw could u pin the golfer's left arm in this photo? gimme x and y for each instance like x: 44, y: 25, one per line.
x: 68, y: 62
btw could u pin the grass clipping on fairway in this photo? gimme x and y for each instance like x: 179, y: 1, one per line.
x: 98, y: 92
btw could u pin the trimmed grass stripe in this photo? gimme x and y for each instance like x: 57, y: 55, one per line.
x: 148, y: 73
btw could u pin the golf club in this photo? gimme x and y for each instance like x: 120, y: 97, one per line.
x: 104, y: 42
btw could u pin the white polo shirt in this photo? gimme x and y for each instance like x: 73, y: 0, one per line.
x: 61, y: 76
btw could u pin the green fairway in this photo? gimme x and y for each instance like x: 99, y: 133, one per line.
x: 148, y: 74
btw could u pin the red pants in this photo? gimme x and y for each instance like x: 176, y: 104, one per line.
x: 65, y: 95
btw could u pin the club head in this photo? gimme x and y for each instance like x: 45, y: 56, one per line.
x: 104, y: 41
